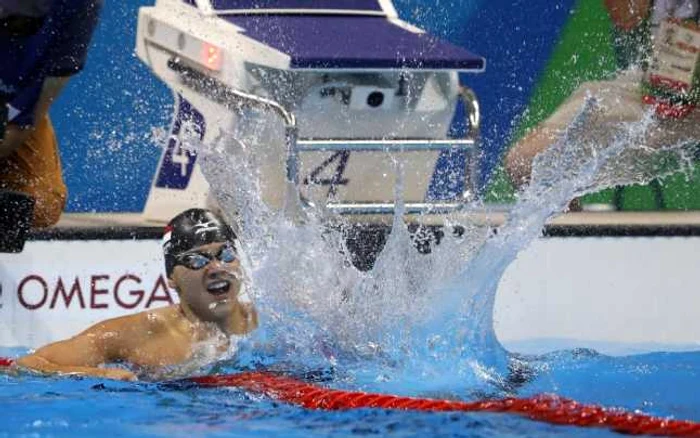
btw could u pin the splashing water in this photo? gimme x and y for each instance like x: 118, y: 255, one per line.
x: 423, y: 318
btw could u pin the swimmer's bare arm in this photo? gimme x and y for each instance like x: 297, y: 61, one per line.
x: 518, y: 161
x: 102, y: 343
x: 16, y: 136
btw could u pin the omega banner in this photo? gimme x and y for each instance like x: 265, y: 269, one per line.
x: 53, y: 290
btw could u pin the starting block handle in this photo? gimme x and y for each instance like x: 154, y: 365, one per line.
x: 236, y: 98
x: 471, y: 103
x: 383, y: 145
x: 390, y: 208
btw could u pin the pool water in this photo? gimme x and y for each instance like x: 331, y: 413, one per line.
x: 661, y: 384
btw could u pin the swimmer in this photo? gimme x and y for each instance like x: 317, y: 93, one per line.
x: 203, y: 265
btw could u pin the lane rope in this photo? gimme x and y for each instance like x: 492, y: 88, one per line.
x: 550, y: 409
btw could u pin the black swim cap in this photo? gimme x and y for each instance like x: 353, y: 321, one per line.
x: 190, y: 229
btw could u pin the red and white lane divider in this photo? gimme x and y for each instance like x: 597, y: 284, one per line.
x: 545, y: 408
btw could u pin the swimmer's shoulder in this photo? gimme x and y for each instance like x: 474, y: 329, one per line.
x: 147, y: 321
x: 161, y: 318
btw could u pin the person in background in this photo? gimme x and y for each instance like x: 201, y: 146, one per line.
x: 42, y: 44
x: 621, y: 99
x: 203, y: 265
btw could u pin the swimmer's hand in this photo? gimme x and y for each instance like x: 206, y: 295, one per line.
x: 36, y: 363
x: 118, y: 374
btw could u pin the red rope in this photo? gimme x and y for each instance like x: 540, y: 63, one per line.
x: 549, y: 408
x: 546, y: 408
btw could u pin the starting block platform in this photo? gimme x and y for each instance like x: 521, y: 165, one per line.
x: 576, y: 224
x: 323, y: 95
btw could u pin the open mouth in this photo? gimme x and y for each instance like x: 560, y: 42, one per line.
x: 218, y: 287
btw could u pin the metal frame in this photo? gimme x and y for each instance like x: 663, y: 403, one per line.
x: 293, y: 145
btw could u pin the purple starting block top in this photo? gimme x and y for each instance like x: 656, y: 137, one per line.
x: 329, y: 5
x: 354, y: 42
x: 342, y: 34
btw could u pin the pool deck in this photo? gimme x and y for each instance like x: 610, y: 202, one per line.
x: 675, y: 223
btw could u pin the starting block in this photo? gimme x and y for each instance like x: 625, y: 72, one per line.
x: 342, y: 89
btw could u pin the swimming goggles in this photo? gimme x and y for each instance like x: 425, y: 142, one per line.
x: 198, y: 260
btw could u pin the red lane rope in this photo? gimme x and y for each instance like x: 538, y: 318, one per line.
x: 545, y: 408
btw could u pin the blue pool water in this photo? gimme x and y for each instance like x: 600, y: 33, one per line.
x: 664, y: 384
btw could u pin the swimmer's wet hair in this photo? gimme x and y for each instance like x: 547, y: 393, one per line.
x: 190, y: 229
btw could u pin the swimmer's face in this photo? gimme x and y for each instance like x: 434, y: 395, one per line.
x: 208, y: 279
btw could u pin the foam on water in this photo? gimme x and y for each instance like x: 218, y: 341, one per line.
x: 424, y: 318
